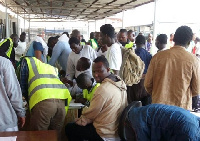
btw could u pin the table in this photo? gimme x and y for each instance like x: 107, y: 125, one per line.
x: 49, y: 135
x: 74, y: 105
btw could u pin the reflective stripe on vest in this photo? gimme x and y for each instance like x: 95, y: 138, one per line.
x: 43, y: 83
x: 93, y: 44
x: 129, y: 45
x: 8, y: 52
x: 89, y: 96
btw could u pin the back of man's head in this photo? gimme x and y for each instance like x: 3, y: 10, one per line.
x: 74, y: 40
x: 183, y: 36
x: 140, y: 40
x: 15, y: 39
x: 23, y: 34
x: 13, y: 36
x: 92, y: 34
x: 162, y: 38
x: 83, y: 64
x: 66, y: 34
x: 75, y: 33
x: 108, y: 29
x: 51, y: 42
x: 83, y: 80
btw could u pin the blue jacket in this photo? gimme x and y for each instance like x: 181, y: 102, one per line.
x: 158, y: 122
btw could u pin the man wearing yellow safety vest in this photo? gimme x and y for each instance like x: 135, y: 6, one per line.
x: 46, y: 94
x: 123, y: 39
x: 6, y: 47
x: 87, y: 83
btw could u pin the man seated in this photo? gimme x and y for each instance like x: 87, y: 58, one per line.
x: 83, y: 66
x: 158, y: 122
x: 100, y: 120
x: 87, y: 83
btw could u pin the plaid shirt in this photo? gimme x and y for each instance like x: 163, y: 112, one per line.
x: 24, y: 72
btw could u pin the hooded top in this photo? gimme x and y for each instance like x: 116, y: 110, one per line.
x: 106, y: 106
x: 10, y: 95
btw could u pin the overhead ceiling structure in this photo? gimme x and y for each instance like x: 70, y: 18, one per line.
x: 70, y: 9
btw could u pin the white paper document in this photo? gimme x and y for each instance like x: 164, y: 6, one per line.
x: 13, y: 138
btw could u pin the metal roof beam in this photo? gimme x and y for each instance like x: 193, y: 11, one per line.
x: 67, y: 8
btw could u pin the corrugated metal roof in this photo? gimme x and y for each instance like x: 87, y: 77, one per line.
x: 70, y: 9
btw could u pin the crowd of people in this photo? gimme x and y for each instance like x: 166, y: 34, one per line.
x: 49, y: 75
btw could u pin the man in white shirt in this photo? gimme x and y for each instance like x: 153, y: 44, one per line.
x: 113, y: 54
x: 78, y: 51
x: 20, y: 49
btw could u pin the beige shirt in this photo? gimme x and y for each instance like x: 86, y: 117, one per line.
x: 173, y: 77
x: 106, y: 106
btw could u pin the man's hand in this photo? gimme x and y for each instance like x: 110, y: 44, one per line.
x: 67, y: 81
x: 21, y: 121
x: 80, y: 100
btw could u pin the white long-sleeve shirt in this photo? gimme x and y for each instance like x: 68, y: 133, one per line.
x: 19, y: 50
x: 87, y: 52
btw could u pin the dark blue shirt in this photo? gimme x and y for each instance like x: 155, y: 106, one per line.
x: 145, y: 57
x: 24, y: 72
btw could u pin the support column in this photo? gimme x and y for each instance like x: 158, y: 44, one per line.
x: 123, y: 20
x: 95, y: 26
x: 29, y: 28
x: 17, y: 26
x: 24, y: 22
x: 155, y: 28
x: 7, y: 23
x: 88, y: 31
